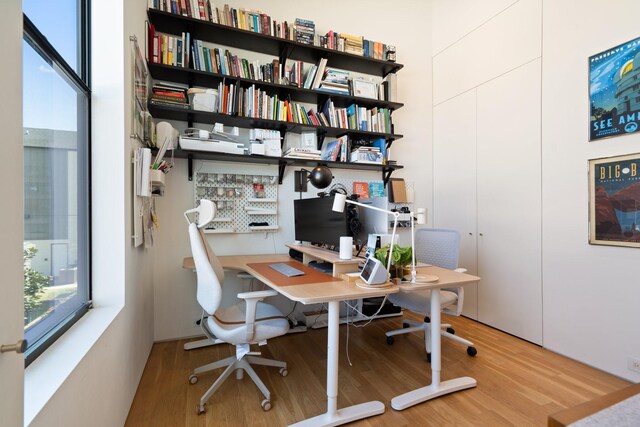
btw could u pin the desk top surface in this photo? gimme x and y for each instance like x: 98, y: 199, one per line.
x: 337, y: 290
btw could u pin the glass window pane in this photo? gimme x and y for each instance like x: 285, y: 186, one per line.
x: 55, y: 196
x: 58, y: 21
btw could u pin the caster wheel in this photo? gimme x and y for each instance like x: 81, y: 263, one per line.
x: 284, y: 372
x: 428, y: 357
x: 471, y: 351
x: 266, y: 405
x: 427, y: 319
x: 405, y: 325
x: 390, y: 340
x: 201, y: 409
x: 193, y: 379
x: 451, y: 331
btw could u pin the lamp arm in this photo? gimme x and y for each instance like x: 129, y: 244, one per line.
x: 393, y: 235
x: 372, y: 207
x: 413, y: 253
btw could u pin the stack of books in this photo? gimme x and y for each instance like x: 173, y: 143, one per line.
x: 336, y: 81
x: 302, y: 153
x: 305, y: 31
x: 169, y: 94
x: 370, y: 155
x: 353, y: 44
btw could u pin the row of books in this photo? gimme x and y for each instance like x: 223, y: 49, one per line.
x: 357, y: 118
x: 172, y: 50
x: 168, y: 49
x: 197, y: 9
x: 301, y: 31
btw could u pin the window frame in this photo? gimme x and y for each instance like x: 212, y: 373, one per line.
x: 81, y: 83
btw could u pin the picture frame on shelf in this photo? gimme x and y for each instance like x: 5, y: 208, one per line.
x: 614, y: 201
x: 365, y: 89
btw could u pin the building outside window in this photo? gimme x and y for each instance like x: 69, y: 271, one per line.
x: 56, y: 139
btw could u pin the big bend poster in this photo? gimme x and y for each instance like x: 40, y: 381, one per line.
x: 614, y: 201
x: 614, y: 91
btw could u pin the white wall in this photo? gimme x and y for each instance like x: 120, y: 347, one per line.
x: 487, y: 154
x: 174, y: 288
x: 590, y: 292
x: 100, y: 388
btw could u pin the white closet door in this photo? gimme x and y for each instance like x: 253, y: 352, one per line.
x: 454, y: 169
x: 509, y: 202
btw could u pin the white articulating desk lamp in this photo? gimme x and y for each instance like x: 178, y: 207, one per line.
x: 420, y: 219
x: 338, y: 206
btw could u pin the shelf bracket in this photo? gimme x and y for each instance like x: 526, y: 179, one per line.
x: 190, y: 169
x: 282, y: 165
x: 386, y: 174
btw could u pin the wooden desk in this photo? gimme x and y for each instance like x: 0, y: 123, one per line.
x: 446, y: 279
x: 571, y: 415
x: 333, y: 293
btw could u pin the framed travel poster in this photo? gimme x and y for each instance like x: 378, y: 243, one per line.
x: 614, y: 91
x: 614, y: 201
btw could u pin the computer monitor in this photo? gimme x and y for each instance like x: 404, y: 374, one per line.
x: 316, y: 222
x: 373, y: 222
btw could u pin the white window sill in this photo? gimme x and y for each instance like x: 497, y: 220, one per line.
x: 47, y: 373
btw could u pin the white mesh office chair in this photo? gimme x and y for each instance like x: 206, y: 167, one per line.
x: 246, y: 323
x: 437, y: 247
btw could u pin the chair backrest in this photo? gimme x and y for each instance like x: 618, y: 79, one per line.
x: 209, y: 271
x: 437, y: 247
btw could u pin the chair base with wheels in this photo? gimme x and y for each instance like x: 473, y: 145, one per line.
x: 438, y: 247
x: 240, y: 366
x: 409, y: 326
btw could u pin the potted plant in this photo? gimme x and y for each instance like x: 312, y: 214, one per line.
x: 401, y: 258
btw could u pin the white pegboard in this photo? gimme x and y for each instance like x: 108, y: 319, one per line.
x: 240, y: 198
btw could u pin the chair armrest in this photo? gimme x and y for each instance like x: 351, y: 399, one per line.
x: 257, y: 294
x: 252, y: 299
x: 459, y: 290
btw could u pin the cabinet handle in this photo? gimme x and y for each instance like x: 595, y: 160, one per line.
x: 18, y: 347
x: 470, y: 234
x: 481, y: 234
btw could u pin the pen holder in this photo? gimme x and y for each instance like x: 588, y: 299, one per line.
x: 156, y: 177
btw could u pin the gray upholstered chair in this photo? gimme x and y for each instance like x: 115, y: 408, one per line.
x: 441, y: 248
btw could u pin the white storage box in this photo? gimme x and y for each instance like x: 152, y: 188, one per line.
x: 203, y: 99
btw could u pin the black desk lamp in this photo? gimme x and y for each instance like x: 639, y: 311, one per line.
x: 320, y: 177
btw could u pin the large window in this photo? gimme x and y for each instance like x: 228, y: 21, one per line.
x: 56, y: 111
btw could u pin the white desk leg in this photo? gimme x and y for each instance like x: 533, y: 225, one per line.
x: 334, y: 416
x: 436, y: 388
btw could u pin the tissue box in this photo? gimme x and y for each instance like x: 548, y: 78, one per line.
x: 203, y: 99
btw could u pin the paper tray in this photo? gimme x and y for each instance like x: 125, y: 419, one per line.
x: 216, y: 147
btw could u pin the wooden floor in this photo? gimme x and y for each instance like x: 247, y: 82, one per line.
x: 518, y: 383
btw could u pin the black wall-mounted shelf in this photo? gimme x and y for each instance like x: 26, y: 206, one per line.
x: 181, y: 114
x: 231, y: 37
x: 282, y: 162
x: 206, y: 79
x: 234, y: 37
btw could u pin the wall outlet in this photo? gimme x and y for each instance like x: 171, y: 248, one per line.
x: 633, y: 363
